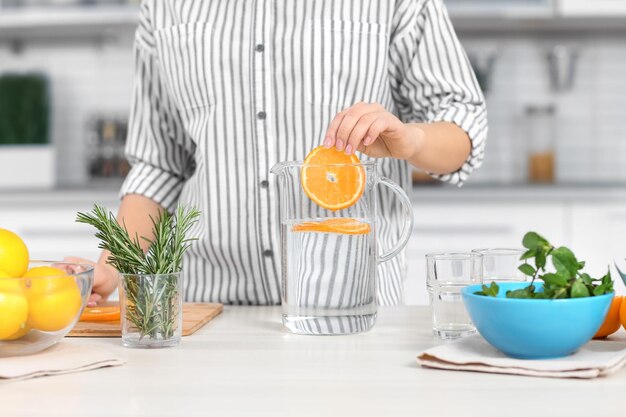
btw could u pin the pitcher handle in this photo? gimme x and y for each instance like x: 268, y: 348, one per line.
x: 408, y: 222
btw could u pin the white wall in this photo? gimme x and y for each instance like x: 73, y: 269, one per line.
x: 591, y: 118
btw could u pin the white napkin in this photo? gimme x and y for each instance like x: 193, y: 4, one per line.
x: 61, y: 358
x: 596, y: 358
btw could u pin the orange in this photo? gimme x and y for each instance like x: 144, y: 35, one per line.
x: 13, y: 254
x: 108, y: 313
x: 622, y: 314
x: 612, y: 321
x: 342, y: 225
x: 330, y: 178
x: 13, y: 308
x: 53, y: 297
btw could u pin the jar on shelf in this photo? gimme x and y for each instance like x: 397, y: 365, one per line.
x: 541, y: 139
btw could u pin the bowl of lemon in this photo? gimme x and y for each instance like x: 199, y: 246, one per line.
x: 40, y: 301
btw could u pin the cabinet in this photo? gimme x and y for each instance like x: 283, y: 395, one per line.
x: 599, y: 232
x: 454, y: 227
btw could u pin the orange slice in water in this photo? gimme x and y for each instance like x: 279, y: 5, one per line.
x: 331, y: 179
x: 107, y: 313
x: 341, y: 225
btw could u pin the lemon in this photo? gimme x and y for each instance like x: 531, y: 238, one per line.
x: 47, y: 279
x: 25, y: 329
x: 53, y: 298
x: 13, y: 254
x: 13, y: 307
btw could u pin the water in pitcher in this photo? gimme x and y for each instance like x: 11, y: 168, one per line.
x: 329, y: 279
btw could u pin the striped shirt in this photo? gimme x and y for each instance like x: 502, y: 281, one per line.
x: 226, y: 89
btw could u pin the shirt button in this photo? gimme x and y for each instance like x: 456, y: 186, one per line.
x: 261, y: 115
x: 268, y: 253
x: 265, y: 184
x: 260, y: 48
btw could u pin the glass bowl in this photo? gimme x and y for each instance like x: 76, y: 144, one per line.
x: 39, y: 309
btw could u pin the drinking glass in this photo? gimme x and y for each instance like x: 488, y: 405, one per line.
x: 446, y: 274
x: 501, y: 264
x: 151, y: 309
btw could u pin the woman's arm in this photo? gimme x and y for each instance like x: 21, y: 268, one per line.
x: 440, y: 119
x: 444, y: 147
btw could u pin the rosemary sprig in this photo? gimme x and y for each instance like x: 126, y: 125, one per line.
x: 126, y: 253
x: 150, y: 284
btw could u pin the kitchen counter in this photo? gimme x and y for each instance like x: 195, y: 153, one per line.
x: 66, y: 197
x: 244, y: 364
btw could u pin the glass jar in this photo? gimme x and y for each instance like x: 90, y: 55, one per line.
x: 541, y: 139
x: 151, y: 310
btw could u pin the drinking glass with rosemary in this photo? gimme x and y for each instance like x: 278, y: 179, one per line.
x: 150, y: 286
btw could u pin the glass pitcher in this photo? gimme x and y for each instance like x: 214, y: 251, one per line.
x: 329, y: 273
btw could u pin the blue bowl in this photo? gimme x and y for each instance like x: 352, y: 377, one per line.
x: 535, y: 329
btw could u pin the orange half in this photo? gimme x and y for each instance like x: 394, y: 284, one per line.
x: 612, y: 321
x: 332, y: 180
x: 110, y: 313
x: 341, y: 225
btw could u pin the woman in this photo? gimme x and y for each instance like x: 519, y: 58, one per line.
x: 224, y: 90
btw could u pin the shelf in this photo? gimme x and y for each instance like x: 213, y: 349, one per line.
x: 102, y: 22
x: 538, y: 25
x: 66, y: 22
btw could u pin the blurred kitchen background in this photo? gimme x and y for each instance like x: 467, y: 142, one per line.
x: 553, y: 71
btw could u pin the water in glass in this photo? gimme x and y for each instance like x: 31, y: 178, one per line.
x: 450, y: 319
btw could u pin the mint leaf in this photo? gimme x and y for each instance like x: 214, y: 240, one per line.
x: 579, y: 289
x: 540, y: 260
x: 534, y: 241
x: 586, y: 279
x: 530, y: 253
x: 564, y: 261
x: 559, y: 293
x: 556, y: 280
x: 527, y: 269
x: 526, y: 292
x: 489, y: 291
x: 600, y: 290
x: 607, y: 284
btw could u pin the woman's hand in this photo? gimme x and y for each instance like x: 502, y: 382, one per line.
x: 437, y: 147
x: 372, y: 130
x: 105, y: 279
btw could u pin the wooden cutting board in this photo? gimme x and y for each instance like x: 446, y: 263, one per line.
x: 195, y: 315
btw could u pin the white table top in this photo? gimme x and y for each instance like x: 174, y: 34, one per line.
x: 244, y: 364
